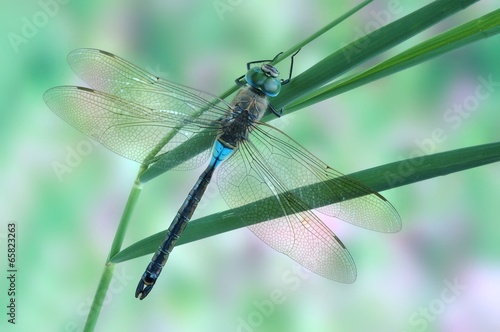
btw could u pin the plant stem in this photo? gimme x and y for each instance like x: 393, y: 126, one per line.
x: 107, y: 274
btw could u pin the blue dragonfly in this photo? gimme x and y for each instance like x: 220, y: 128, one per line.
x: 131, y: 111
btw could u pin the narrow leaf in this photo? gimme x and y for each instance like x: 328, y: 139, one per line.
x: 378, y: 178
x: 483, y: 27
x: 367, y: 47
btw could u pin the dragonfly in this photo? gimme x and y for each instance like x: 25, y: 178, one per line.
x: 131, y: 112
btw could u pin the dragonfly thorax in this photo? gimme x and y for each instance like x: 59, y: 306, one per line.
x: 248, y: 107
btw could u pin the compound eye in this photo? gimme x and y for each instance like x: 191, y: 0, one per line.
x: 271, y: 87
x: 255, y: 77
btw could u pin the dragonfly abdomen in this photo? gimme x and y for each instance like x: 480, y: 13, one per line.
x: 176, y: 228
x: 220, y: 152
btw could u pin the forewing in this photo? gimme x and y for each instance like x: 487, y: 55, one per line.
x: 299, y: 170
x: 293, y: 230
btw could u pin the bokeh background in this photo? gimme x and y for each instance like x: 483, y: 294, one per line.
x: 65, y: 223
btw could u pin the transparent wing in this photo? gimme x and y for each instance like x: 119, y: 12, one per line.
x: 297, y: 168
x: 247, y: 177
x: 128, y: 128
x: 131, y: 111
x: 272, y: 164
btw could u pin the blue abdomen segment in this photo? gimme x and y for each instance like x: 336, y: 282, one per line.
x: 220, y: 152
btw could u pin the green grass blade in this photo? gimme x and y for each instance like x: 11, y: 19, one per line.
x: 99, y: 297
x: 379, y: 178
x: 483, y: 27
x: 365, y: 48
x: 107, y: 273
x: 342, y: 60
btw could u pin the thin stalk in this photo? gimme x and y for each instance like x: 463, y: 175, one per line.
x: 109, y: 267
x: 100, y: 295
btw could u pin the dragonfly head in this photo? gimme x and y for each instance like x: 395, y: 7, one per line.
x: 264, y: 79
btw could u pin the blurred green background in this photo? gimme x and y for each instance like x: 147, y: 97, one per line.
x: 65, y: 223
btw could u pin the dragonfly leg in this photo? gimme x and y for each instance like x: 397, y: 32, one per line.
x: 283, y: 82
x: 239, y: 82
x: 277, y: 113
